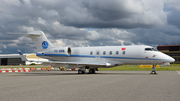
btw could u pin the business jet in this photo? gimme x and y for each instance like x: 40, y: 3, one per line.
x: 93, y: 58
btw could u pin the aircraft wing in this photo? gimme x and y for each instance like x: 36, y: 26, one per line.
x: 80, y: 63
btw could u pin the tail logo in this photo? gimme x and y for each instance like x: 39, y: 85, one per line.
x: 45, y: 44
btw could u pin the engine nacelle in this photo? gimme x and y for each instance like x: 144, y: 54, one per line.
x: 59, y: 51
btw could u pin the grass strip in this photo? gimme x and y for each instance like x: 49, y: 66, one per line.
x: 172, y: 67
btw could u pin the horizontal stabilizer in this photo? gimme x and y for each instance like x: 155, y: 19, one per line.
x: 36, y: 33
x: 39, y: 39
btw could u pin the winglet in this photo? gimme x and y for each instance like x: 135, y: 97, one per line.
x: 23, y: 58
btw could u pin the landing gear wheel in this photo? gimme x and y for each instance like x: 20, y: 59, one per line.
x: 91, y: 71
x: 153, y: 69
x: 81, y: 72
x: 153, y: 72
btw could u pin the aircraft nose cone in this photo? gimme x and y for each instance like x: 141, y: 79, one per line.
x: 171, y: 59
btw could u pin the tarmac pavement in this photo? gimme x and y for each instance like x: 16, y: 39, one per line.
x: 102, y: 86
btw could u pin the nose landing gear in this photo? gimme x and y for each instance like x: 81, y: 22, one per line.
x: 153, y: 70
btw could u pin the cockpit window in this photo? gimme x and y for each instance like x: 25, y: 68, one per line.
x: 154, y: 49
x: 150, y: 49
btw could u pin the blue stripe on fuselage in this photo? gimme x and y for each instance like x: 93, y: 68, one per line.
x: 39, y: 54
x: 92, y: 56
x: 82, y: 56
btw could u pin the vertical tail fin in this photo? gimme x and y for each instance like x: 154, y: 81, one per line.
x: 40, y: 40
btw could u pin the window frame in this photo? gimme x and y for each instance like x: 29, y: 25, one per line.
x: 97, y: 52
x: 91, y: 52
x: 123, y: 52
x: 104, y: 52
x: 117, y: 52
x: 110, y: 52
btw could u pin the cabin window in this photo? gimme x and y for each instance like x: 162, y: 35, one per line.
x: 117, y: 52
x: 104, y: 53
x: 110, y: 53
x: 123, y: 52
x: 91, y: 53
x: 97, y: 53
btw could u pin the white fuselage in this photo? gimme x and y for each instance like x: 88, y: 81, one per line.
x: 115, y: 55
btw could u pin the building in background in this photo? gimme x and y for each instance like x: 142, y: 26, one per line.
x: 33, y: 57
x: 15, y: 59
x: 171, y: 50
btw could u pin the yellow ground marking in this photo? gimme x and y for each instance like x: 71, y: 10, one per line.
x: 148, y: 66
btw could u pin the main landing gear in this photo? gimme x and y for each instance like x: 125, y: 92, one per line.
x: 153, y: 70
x: 83, y: 71
x: 93, y: 71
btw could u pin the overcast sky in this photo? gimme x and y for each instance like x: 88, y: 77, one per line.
x: 89, y: 22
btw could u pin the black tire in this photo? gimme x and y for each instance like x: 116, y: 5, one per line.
x: 153, y: 72
x: 79, y: 72
x: 83, y: 72
x: 91, y: 71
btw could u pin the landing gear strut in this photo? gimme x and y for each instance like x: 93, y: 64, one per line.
x: 153, y: 70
